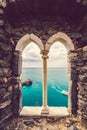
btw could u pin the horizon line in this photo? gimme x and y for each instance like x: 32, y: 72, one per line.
x: 42, y: 67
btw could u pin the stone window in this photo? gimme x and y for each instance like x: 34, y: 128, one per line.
x: 44, y: 48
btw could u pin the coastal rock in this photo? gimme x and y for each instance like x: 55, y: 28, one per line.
x: 27, y: 82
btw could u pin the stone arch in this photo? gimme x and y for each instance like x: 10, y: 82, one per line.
x: 17, y: 60
x: 26, y: 39
x: 67, y: 42
x: 62, y: 37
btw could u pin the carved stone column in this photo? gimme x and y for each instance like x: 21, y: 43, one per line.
x: 45, y: 109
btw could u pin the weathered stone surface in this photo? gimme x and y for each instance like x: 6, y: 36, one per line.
x: 29, y: 123
x: 5, y: 114
x: 85, y: 57
x: 15, y: 80
x: 82, y: 102
x: 74, y: 77
x: 3, y: 85
x: 76, y: 35
x: 1, y: 31
x: 5, y: 118
x: 16, y: 91
x: 10, y: 63
x: 6, y: 96
x: 83, y: 70
x: 74, y: 59
x: 80, y: 62
x: 10, y: 88
x: 2, y: 80
x: 1, y: 11
x: 73, y: 128
x: 17, y: 63
x: 3, y: 105
x: 82, y: 85
x: 59, y: 123
x: 5, y: 55
x: 5, y: 64
x: 83, y: 78
x: 73, y: 65
x: 2, y: 91
x: 1, y: 22
x: 5, y: 47
x: 85, y: 48
x: 74, y: 72
x: 5, y: 72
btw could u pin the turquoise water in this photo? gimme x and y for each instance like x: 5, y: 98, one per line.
x: 57, y: 81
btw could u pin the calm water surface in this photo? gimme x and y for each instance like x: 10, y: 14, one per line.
x: 57, y: 82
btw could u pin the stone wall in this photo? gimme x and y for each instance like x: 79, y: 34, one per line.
x: 82, y: 85
x: 79, y: 76
x: 9, y: 81
x: 10, y: 59
x: 73, y: 72
x: 6, y: 86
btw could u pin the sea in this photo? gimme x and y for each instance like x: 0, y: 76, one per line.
x: 57, y: 81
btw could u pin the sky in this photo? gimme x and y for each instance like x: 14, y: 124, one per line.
x: 32, y: 58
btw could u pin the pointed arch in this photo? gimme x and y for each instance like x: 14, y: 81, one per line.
x: 63, y: 38
x: 26, y: 39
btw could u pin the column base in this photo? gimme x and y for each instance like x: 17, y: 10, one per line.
x: 45, y: 111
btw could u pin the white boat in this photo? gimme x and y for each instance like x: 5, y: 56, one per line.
x: 65, y: 92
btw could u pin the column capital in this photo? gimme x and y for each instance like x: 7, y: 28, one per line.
x: 44, y: 54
